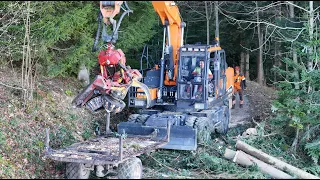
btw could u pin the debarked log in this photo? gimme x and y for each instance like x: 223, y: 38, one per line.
x: 246, y: 160
x: 240, y: 145
x: 229, y: 154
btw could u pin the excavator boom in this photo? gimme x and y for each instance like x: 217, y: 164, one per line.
x: 170, y: 18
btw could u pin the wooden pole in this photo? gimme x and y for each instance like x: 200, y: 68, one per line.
x: 274, y: 161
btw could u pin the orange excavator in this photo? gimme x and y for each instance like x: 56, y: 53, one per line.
x: 196, y: 104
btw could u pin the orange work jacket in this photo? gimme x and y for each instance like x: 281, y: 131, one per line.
x: 237, y: 80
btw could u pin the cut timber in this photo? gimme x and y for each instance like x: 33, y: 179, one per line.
x: 247, y: 160
x: 229, y: 154
x: 274, y: 161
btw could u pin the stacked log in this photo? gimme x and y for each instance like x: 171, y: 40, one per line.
x: 246, y: 160
x: 240, y: 145
x: 247, y: 155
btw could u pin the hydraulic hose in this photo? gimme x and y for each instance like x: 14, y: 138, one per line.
x: 119, y: 22
x: 94, y: 48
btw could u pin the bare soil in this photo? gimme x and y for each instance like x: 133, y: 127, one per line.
x: 257, y: 105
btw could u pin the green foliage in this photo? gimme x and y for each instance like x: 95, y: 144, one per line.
x: 87, y: 134
x: 69, y: 93
x: 313, y: 169
x: 63, y: 33
x: 299, y: 107
x: 314, y: 150
x: 5, y: 168
x: 137, y: 28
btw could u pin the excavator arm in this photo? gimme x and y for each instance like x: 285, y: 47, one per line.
x: 173, y: 32
x: 169, y: 14
x: 105, y: 84
x: 109, y: 89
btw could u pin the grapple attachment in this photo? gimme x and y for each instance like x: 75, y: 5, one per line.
x: 101, y: 93
x: 145, y: 89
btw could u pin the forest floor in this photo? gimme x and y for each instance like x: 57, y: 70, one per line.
x: 257, y: 105
x: 22, y: 133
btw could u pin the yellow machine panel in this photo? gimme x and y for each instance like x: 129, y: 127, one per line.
x: 153, y: 93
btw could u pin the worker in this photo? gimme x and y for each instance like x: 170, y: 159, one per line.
x: 198, y: 73
x: 216, y: 42
x: 239, y: 86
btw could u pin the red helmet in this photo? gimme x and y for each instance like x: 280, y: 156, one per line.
x: 237, y: 68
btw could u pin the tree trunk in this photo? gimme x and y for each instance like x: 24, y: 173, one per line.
x: 27, y: 78
x: 260, y: 79
x: 247, y: 66
x: 274, y: 161
x: 294, y: 144
x: 217, y: 19
x: 296, y: 78
x: 276, y: 49
x: 242, y: 62
x: 208, y: 23
x: 260, y: 61
x: 294, y: 51
x: 247, y: 160
x: 277, y: 46
x: 310, y: 62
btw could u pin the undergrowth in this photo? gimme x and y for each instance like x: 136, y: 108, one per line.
x: 208, y: 161
x: 22, y: 138
x: 22, y: 134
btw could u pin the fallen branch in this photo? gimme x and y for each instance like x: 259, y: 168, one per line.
x: 18, y: 88
x: 274, y: 161
x: 58, y: 49
x: 163, y: 164
x: 271, y: 134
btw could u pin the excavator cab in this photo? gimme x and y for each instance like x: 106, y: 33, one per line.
x: 193, y: 75
x: 202, y: 77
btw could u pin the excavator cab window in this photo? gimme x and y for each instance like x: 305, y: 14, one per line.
x: 218, y: 66
x: 190, y: 77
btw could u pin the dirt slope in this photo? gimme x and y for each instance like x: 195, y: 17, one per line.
x: 257, y: 104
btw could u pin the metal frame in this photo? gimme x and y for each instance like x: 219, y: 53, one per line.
x: 204, y: 81
x: 96, y: 157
